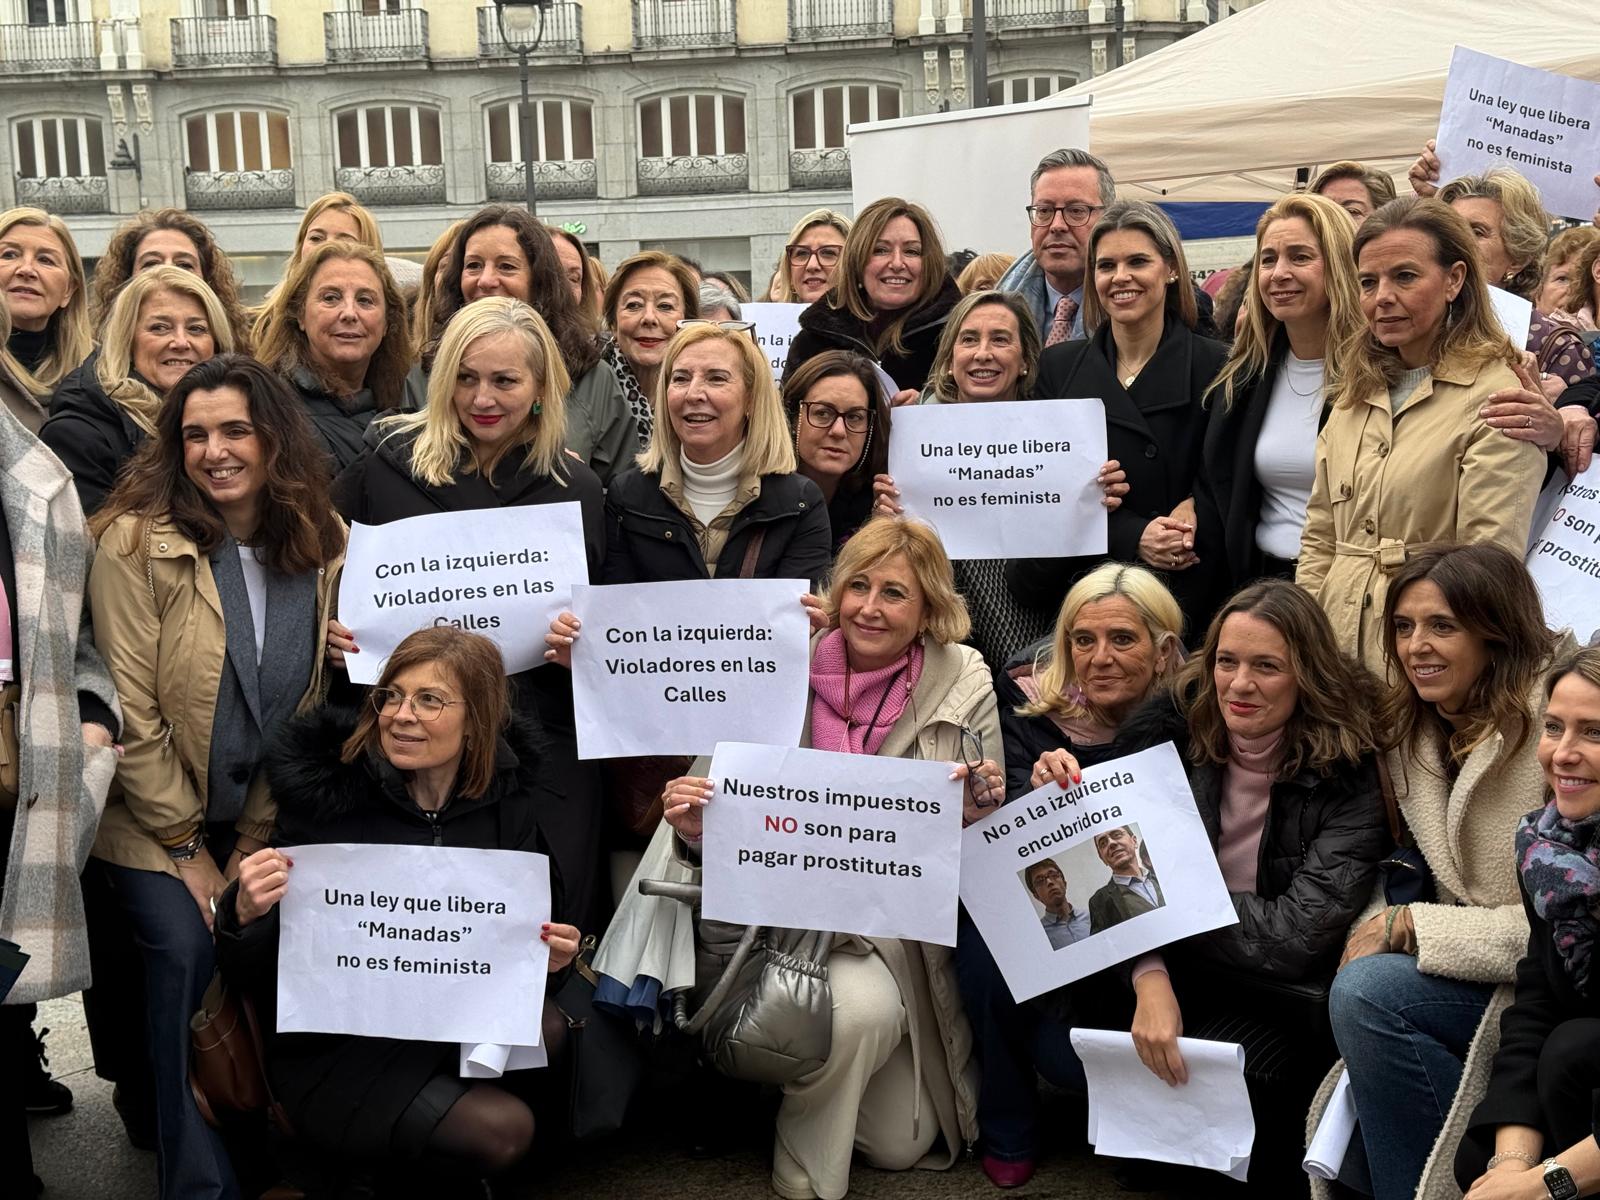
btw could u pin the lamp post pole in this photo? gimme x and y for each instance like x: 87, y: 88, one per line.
x: 529, y: 175
x: 527, y: 18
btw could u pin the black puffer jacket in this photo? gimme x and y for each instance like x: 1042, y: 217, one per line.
x: 1319, y: 856
x: 823, y: 327
x: 1026, y: 738
x: 340, y: 422
x: 90, y: 433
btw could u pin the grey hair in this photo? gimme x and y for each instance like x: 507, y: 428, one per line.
x: 714, y: 295
x: 1073, y: 157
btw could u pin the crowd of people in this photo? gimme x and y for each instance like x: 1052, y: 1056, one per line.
x: 1320, y: 492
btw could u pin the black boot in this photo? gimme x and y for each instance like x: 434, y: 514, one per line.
x: 43, y: 1096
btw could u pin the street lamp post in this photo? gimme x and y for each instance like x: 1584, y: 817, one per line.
x: 521, y: 28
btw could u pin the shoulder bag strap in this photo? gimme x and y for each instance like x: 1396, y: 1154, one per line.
x: 752, y: 551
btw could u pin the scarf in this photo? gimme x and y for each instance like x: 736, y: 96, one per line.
x: 1559, y: 861
x: 853, y: 711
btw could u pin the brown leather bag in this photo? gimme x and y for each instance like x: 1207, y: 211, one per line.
x: 227, y: 1066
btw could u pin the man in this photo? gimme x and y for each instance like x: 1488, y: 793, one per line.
x: 1132, y: 890
x: 1063, y: 925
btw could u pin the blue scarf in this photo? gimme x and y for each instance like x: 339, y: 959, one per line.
x: 1559, y: 861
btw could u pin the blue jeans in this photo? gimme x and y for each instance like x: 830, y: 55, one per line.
x: 178, y: 960
x: 1404, y: 1037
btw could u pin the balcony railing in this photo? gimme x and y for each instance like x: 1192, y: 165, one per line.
x: 392, y: 185
x: 563, y: 32
x: 827, y: 20
x: 239, y: 189
x: 399, y: 36
x: 225, y: 41
x: 65, y: 195
x: 29, y: 49
x: 819, y: 168
x: 682, y: 24
x: 1037, y: 14
x: 694, y: 174
x: 573, y: 179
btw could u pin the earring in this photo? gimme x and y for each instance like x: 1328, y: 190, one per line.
x: 1172, y: 279
x: 537, y: 408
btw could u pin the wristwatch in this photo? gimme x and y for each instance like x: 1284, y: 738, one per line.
x: 1558, y: 1181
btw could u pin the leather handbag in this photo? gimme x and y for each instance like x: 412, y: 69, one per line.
x: 1404, y: 872
x: 605, y: 1060
x: 227, y: 1071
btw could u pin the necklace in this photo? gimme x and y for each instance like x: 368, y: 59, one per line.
x: 1133, y: 373
x: 849, y: 722
x: 1315, y: 388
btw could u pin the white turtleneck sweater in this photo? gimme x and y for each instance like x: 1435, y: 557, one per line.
x: 710, y: 488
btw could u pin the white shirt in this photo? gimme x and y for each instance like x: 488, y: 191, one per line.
x: 1286, y: 455
x: 710, y: 488
x: 255, y: 584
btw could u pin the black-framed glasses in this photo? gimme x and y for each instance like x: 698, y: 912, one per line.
x: 1075, y: 215
x: 1049, y: 873
x: 425, y: 705
x: 972, y: 754
x: 730, y: 326
x: 822, y: 416
x: 826, y: 255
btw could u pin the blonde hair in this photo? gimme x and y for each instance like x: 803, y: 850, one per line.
x: 366, y: 224
x: 441, y: 444
x: 71, y: 337
x: 422, y: 305
x: 817, y: 216
x: 942, y: 382
x: 768, y: 449
x: 984, y: 272
x: 1252, y: 348
x: 1053, y: 670
x: 945, y: 617
x: 848, y: 290
x: 1524, y: 225
x: 1142, y: 217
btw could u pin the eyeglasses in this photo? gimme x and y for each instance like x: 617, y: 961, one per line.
x: 1049, y: 873
x: 425, y: 706
x: 972, y: 754
x: 822, y: 416
x: 1075, y: 215
x: 826, y: 255
x: 730, y: 326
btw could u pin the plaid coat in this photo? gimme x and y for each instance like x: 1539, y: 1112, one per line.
x: 63, y: 782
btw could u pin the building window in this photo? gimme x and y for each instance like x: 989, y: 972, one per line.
x: 52, y: 12
x: 237, y: 140
x: 563, y: 131
x: 1020, y: 89
x: 701, y: 124
x: 58, y: 147
x: 818, y: 116
x: 389, y: 135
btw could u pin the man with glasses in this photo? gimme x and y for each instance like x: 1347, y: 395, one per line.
x: 1063, y: 924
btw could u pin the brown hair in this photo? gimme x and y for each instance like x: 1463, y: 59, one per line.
x: 422, y: 305
x: 945, y: 618
x: 1380, y: 188
x: 942, y: 380
x: 590, y: 302
x: 983, y: 274
x: 848, y: 290
x: 832, y: 364
x: 686, y: 280
x: 1145, y: 218
x: 1584, y: 290
x: 116, y: 265
x: 479, y: 674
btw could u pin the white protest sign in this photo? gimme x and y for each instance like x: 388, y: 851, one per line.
x: 846, y: 843
x: 1007, y: 479
x: 1514, y: 314
x: 1499, y: 113
x: 776, y: 326
x: 420, y: 943
x: 501, y: 572
x: 1040, y: 875
x: 1564, y: 558
x: 675, y: 668
x: 490, y: 1060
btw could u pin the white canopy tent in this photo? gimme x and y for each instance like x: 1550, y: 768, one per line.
x: 1231, y: 112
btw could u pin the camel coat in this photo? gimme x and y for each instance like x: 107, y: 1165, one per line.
x: 1433, y: 472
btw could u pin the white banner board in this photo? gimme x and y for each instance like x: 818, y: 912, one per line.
x: 1064, y: 883
x: 1514, y: 314
x: 1004, y: 479
x: 675, y: 668
x: 776, y: 326
x: 501, y: 572
x: 1547, y: 126
x: 1564, y: 556
x: 421, y: 943
x: 847, y: 843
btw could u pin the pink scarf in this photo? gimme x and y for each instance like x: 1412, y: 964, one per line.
x: 853, y: 711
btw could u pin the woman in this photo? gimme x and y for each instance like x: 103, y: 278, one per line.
x: 1354, y: 187
x: 1539, y: 1107
x: 1560, y: 268
x: 1583, y: 292
x: 164, y: 321
x: 581, y: 280
x: 166, y: 237
x: 42, y: 283
x: 336, y: 331
x: 896, y: 1079
x: 718, y: 304
x: 889, y: 298
x: 810, y: 256
x: 646, y: 297
x: 436, y: 757
x: 433, y: 269
x: 841, y: 434
x: 984, y: 273
x: 219, y: 539
x: 1467, y: 651
x: 334, y: 217
x: 1405, y: 456
x: 1145, y: 361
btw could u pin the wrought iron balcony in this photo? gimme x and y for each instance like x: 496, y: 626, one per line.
x: 819, y: 168
x: 31, y: 49
x: 65, y: 195
x: 694, y: 174
x: 828, y: 20
x: 216, y: 190
x: 357, y: 37
x: 225, y: 41
x: 392, y: 185
x: 573, y: 179
x: 682, y: 24
x: 1037, y: 14
x: 563, y: 32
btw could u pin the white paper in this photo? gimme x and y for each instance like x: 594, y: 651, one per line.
x: 1206, y: 1122
x: 1547, y: 126
x: 501, y: 572
x: 490, y: 1060
x: 675, y: 668
x: 1331, y: 1142
x: 847, y: 843
x: 420, y: 943
x: 1564, y: 558
x: 1007, y: 479
x: 776, y: 326
x: 1514, y: 314
x: 887, y: 382
x: 1148, y: 793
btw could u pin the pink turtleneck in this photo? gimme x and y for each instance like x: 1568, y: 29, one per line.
x: 1246, y: 793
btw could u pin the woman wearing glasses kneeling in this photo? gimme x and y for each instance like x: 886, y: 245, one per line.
x: 436, y: 758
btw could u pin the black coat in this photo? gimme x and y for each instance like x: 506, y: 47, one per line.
x: 649, y: 538
x: 1154, y: 430
x: 341, y: 423
x: 340, y: 1090
x: 823, y: 327
x: 1026, y: 738
x: 90, y: 433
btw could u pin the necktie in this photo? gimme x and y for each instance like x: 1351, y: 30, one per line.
x: 1061, y: 323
